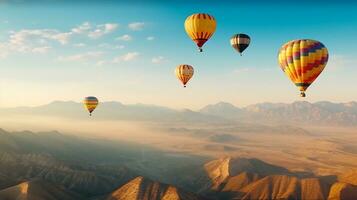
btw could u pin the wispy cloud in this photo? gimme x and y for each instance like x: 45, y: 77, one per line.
x: 95, y: 31
x: 32, y: 41
x: 41, y: 50
x: 340, y: 62
x: 42, y: 40
x: 83, y: 28
x: 136, y: 26
x: 102, y: 29
x: 119, y: 47
x: 38, y: 35
x: 79, y: 45
x: 158, y: 60
x: 125, y: 37
x: 150, y: 38
x: 130, y: 56
x: 80, y: 57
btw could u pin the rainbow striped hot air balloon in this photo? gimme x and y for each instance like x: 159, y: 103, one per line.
x: 184, y: 73
x: 200, y: 28
x: 90, y: 103
x: 303, y: 61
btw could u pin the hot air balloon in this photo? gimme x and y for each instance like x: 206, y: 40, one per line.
x: 303, y: 61
x: 200, y: 27
x: 184, y: 73
x: 90, y: 103
x: 240, y: 42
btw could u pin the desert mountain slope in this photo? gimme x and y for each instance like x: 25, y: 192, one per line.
x: 341, y: 191
x: 349, y: 177
x: 37, y: 190
x: 221, y: 169
x: 253, y: 179
x: 141, y: 188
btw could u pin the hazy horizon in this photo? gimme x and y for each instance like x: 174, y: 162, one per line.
x: 182, y: 108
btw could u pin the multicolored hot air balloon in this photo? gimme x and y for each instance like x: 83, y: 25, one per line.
x: 90, y: 103
x: 240, y: 42
x: 200, y: 27
x: 303, y: 61
x: 184, y: 73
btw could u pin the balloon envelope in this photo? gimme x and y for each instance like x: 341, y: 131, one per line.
x: 240, y: 42
x: 90, y: 103
x: 200, y: 28
x: 184, y: 73
x: 303, y: 61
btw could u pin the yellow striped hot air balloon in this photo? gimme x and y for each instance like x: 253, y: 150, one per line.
x: 200, y: 27
x: 303, y: 61
x: 184, y: 73
x: 90, y: 103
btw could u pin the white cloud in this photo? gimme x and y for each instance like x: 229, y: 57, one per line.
x: 125, y: 37
x: 130, y: 56
x: 158, y: 60
x: 41, y: 40
x: 119, y: 47
x: 95, y: 31
x: 80, y: 57
x: 136, y: 26
x: 38, y: 35
x: 32, y: 41
x: 110, y: 46
x: 101, y: 63
x: 42, y: 50
x: 102, y: 29
x: 150, y: 38
x: 83, y: 28
x: 79, y: 45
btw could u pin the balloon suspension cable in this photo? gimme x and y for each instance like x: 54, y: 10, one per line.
x: 302, y: 94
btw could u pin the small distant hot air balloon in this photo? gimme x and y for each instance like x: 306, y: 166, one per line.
x: 200, y: 27
x: 184, y: 73
x: 90, y: 103
x: 240, y: 42
x: 303, y: 61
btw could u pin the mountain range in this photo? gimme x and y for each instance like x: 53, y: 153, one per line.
x: 300, y: 112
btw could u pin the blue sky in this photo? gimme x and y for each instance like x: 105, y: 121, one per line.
x: 128, y: 51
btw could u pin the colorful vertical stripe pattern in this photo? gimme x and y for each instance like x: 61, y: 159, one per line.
x: 303, y: 61
x: 240, y: 42
x: 200, y: 27
x: 90, y: 103
x: 184, y: 73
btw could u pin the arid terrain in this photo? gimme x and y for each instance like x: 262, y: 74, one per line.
x: 266, y: 151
